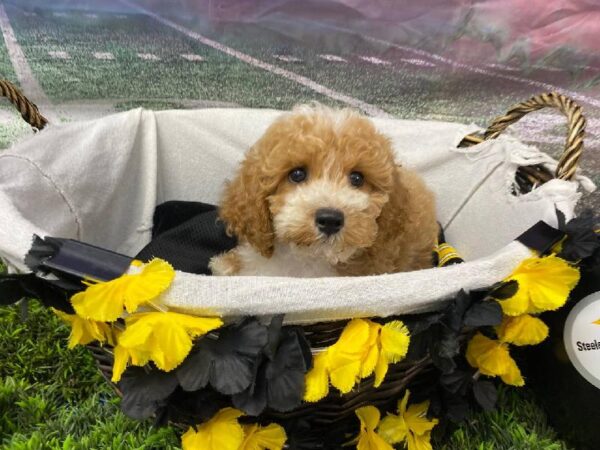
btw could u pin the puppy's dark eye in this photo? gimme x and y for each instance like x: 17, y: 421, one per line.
x: 357, y: 179
x: 298, y: 175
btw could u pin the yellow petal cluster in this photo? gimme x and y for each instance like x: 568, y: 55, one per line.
x: 364, y: 348
x: 492, y: 358
x: 271, y: 437
x: 162, y: 337
x: 224, y: 432
x: 104, y: 301
x: 522, y: 330
x: 84, y: 331
x: 544, y: 284
x: 368, y: 439
x: 411, y: 425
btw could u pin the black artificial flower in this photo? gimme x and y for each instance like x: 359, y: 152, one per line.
x: 145, y: 391
x: 279, y: 379
x: 228, y: 362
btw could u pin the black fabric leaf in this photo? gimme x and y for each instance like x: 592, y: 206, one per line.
x: 194, y: 372
x: 485, y: 394
x: 11, y: 290
x: 279, y: 381
x: 581, y: 241
x: 274, y: 332
x: 455, y: 312
x: 144, y: 393
x: 487, y: 313
x: 449, y: 345
x: 456, y: 406
x: 228, y: 362
x: 418, y: 324
x: 285, y: 374
x: 253, y: 400
x: 192, y: 408
x: 444, y: 364
x: 456, y: 382
x: 504, y: 289
x: 17, y: 286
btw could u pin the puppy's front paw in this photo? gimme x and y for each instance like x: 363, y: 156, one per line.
x: 225, y: 264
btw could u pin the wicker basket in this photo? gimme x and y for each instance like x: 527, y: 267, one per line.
x: 336, y: 409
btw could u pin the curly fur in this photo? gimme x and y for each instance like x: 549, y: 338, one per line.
x: 390, y: 223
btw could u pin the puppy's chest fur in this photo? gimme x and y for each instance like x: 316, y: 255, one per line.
x: 285, y: 262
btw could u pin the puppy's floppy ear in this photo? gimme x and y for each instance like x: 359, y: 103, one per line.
x: 245, y: 207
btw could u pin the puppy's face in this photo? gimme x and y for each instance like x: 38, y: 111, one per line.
x: 330, y: 174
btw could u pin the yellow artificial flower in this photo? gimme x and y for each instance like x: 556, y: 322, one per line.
x: 222, y: 432
x: 316, y: 381
x: 394, y: 340
x: 271, y: 437
x: 544, y: 284
x: 493, y: 359
x: 364, y: 347
x: 162, y: 337
x: 410, y: 425
x: 368, y: 439
x: 84, y: 331
x: 522, y: 330
x: 104, y: 301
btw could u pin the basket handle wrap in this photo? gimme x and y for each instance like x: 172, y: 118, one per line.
x: 567, y: 165
x: 29, y: 111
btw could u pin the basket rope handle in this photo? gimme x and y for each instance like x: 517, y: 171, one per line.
x: 567, y: 165
x: 29, y: 111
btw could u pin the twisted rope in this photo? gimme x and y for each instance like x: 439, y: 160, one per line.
x: 567, y: 165
x: 28, y: 110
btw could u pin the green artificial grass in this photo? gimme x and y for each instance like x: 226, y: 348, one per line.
x: 54, y: 398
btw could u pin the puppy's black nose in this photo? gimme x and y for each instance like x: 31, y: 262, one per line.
x: 329, y: 221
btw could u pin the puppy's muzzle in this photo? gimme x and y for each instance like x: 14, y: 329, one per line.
x: 329, y: 221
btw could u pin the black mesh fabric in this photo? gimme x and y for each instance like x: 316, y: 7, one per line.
x: 187, y: 234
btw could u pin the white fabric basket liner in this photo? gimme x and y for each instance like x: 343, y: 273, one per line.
x: 99, y: 182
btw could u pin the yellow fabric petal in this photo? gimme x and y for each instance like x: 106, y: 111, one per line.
x: 416, y: 419
x: 380, y: 369
x: 368, y: 439
x: 316, y: 380
x: 369, y: 417
x: 393, y: 429
x: 371, y: 354
x: 419, y: 442
x: 522, y: 330
x: 489, y: 356
x: 153, y: 279
x: 222, y: 432
x: 544, y: 284
x: 271, y: 437
x: 354, y: 338
x: 394, y: 340
x: 121, y: 358
x: 519, y: 303
x: 513, y: 375
x: 104, y: 301
x: 84, y: 331
x: 555, y: 279
x: 344, y: 374
x: 164, y: 336
x: 403, y: 403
